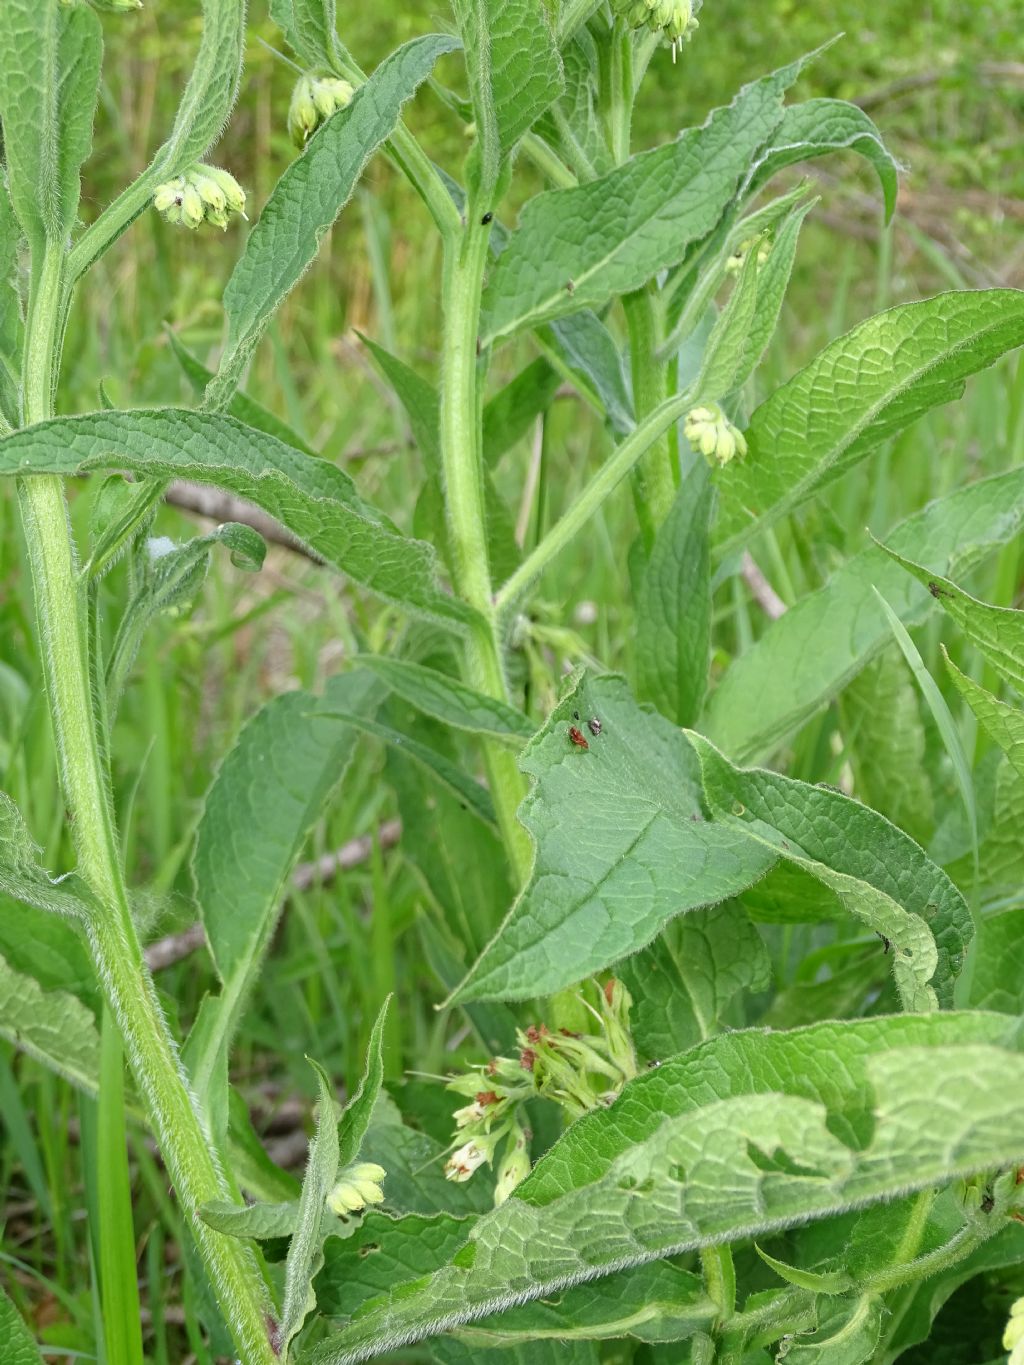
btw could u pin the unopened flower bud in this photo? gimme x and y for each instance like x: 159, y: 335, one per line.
x: 674, y: 18
x: 710, y: 431
x: 357, y: 1186
x: 315, y: 99
x: 1013, y: 1337
x: 515, y: 1165
x: 234, y: 195
x: 192, y: 210
x: 117, y: 6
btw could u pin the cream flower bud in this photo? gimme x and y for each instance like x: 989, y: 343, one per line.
x: 169, y: 194
x: 470, y: 1157
x: 710, y: 431
x: 515, y: 1165
x: 303, y: 116
x: 357, y: 1186
x: 469, y: 1114
x: 192, y: 209
x: 234, y: 195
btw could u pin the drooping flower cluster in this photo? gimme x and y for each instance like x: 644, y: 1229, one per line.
x: 315, y: 99
x: 676, y: 19
x: 202, y: 194
x: 579, y: 1071
x: 357, y: 1186
x: 709, y: 430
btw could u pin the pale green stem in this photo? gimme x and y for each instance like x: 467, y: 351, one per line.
x: 115, y: 945
x: 465, y: 255
x: 655, y: 477
x: 607, y: 478
x: 719, y: 1279
x: 969, y: 1237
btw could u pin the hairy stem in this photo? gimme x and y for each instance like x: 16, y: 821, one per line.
x: 115, y: 945
x: 465, y: 255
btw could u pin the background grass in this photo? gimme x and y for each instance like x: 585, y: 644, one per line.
x: 946, y: 85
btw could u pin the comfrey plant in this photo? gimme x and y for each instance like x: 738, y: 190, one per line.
x: 813, y: 1191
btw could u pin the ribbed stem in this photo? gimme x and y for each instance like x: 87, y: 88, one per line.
x: 115, y: 945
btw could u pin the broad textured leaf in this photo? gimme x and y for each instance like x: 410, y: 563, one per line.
x: 673, y: 606
x: 268, y: 793
x: 304, y: 1252
x: 748, y: 1132
x: 997, y: 631
x: 813, y: 651
x: 262, y: 1222
x: 308, y: 198
x: 23, y: 878
x: 356, y: 1116
x: 51, y: 947
x: 19, y: 1345
x: 861, y: 389
x: 447, y: 699
x: 1004, y: 724
x: 877, y: 872
x: 317, y: 501
x: 514, y: 72
x: 586, y: 351
x: 819, y: 127
x: 576, y: 248
x: 622, y: 847
x: 883, y: 727
x: 49, y: 77
x: 997, y: 982
x: 655, y: 1302
x: 847, y: 1333
x: 451, y: 1351
x: 684, y: 982
x: 52, y: 1026
x: 573, y: 124
x: 1001, y: 851
x: 475, y: 797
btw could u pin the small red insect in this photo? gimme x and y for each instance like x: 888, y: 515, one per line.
x: 578, y: 738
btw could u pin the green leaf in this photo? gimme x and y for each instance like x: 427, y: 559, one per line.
x: 513, y: 410
x: 514, y: 72
x: 19, y: 1345
x: 997, y: 631
x: 305, y: 1256
x: 311, y: 29
x: 317, y: 502
x: 1001, y: 852
x: 419, y: 399
x: 269, y: 792
x: 941, y: 714
x: 49, y: 79
x: 448, y: 700
x: 23, y: 878
x: 1004, y: 724
x: 356, y: 1116
x: 877, y: 872
x: 673, y: 606
x: 622, y: 847
x: 11, y: 327
x: 308, y: 198
x: 847, y: 1333
x: 212, y: 87
x: 52, y: 1026
x: 173, y: 576
x: 861, y: 389
x: 576, y: 248
x: 655, y: 1302
x: 817, y: 127
x: 464, y: 788
x: 726, y: 347
x: 828, y: 1282
x: 881, y: 720
x: 684, y: 982
x: 997, y: 982
x: 809, y: 654
x: 243, y: 407
x: 772, y: 283
x: 583, y: 347
x: 806, y: 1125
